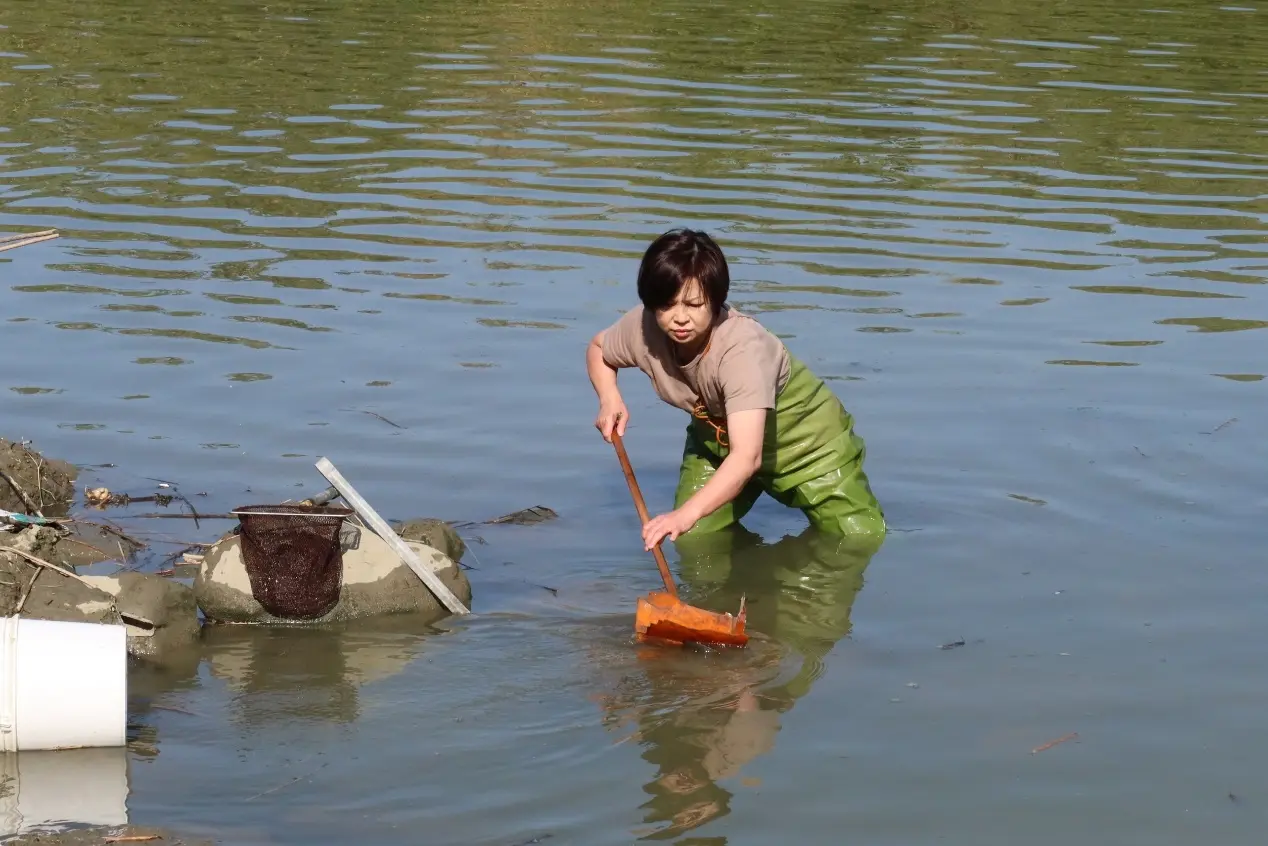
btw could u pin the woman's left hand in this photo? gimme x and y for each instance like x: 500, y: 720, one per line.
x: 672, y: 524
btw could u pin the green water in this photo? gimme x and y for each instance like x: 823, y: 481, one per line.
x: 1026, y: 244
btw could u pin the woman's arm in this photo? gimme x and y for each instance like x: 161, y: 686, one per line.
x: 745, y: 431
x: 612, y: 411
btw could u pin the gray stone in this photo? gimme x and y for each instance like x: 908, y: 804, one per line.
x: 161, y: 614
x: 375, y: 582
x: 435, y: 533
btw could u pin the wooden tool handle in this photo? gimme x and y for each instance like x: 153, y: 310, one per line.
x: 323, y: 498
x: 642, y: 511
x: 12, y: 242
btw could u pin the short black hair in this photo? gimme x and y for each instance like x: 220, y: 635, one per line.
x: 674, y: 259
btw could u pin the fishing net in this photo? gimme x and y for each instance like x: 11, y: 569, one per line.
x: 293, y: 557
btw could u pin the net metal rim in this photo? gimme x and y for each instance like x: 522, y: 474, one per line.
x: 306, y: 511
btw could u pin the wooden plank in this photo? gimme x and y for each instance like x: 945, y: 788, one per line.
x: 383, y: 530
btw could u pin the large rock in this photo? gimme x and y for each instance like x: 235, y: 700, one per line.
x: 435, y: 533
x: 161, y: 615
x: 375, y: 582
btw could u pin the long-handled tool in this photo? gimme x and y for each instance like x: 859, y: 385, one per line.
x: 662, y: 616
x: 12, y: 242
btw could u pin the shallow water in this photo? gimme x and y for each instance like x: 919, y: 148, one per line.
x: 1026, y: 245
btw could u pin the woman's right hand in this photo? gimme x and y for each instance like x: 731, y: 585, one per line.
x: 612, y: 415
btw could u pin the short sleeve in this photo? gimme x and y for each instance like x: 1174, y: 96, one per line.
x: 623, y: 344
x: 749, y: 374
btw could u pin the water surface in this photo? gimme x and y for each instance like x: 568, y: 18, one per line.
x: 1027, y: 247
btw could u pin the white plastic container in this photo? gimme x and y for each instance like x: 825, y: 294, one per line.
x: 62, y: 685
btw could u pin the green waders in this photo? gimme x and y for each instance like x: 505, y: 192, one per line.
x: 811, y: 459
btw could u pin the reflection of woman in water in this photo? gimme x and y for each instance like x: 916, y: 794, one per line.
x: 701, y: 718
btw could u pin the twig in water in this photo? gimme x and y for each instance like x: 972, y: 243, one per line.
x: 380, y: 416
x: 26, y: 500
x: 1051, y: 743
x: 192, y: 510
x: 473, y: 555
x: 286, y: 783
x: 195, y: 517
x: 132, y: 838
x: 385, y: 420
x: 22, y: 600
x: 1229, y: 422
x: 554, y: 591
x: 173, y: 708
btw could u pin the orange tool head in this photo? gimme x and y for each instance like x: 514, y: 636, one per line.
x: 660, y: 617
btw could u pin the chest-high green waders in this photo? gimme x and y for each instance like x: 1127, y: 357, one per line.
x: 811, y: 459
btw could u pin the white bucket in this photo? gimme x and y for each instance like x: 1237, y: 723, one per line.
x: 46, y: 790
x: 62, y: 685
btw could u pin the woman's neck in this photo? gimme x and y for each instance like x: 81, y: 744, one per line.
x: 687, y: 353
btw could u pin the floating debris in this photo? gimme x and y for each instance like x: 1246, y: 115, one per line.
x: 103, y: 497
x: 527, y: 516
x: 1051, y: 743
x: 98, y: 497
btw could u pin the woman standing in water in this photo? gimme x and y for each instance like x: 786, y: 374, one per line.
x: 761, y: 421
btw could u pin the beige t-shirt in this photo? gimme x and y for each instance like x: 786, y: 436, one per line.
x: 744, y: 366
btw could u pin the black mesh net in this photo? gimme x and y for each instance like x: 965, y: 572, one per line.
x: 293, y: 557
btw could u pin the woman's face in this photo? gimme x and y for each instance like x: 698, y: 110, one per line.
x: 688, y: 318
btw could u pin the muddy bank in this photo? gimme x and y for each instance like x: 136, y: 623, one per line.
x: 29, y: 482
x: 159, y: 614
x: 77, y: 545
x: 46, y: 593
x: 37, y: 562
x: 98, y: 836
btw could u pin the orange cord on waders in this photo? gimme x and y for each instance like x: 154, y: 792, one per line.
x: 662, y: 616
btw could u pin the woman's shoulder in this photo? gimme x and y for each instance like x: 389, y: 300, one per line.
x: 736, y: 327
